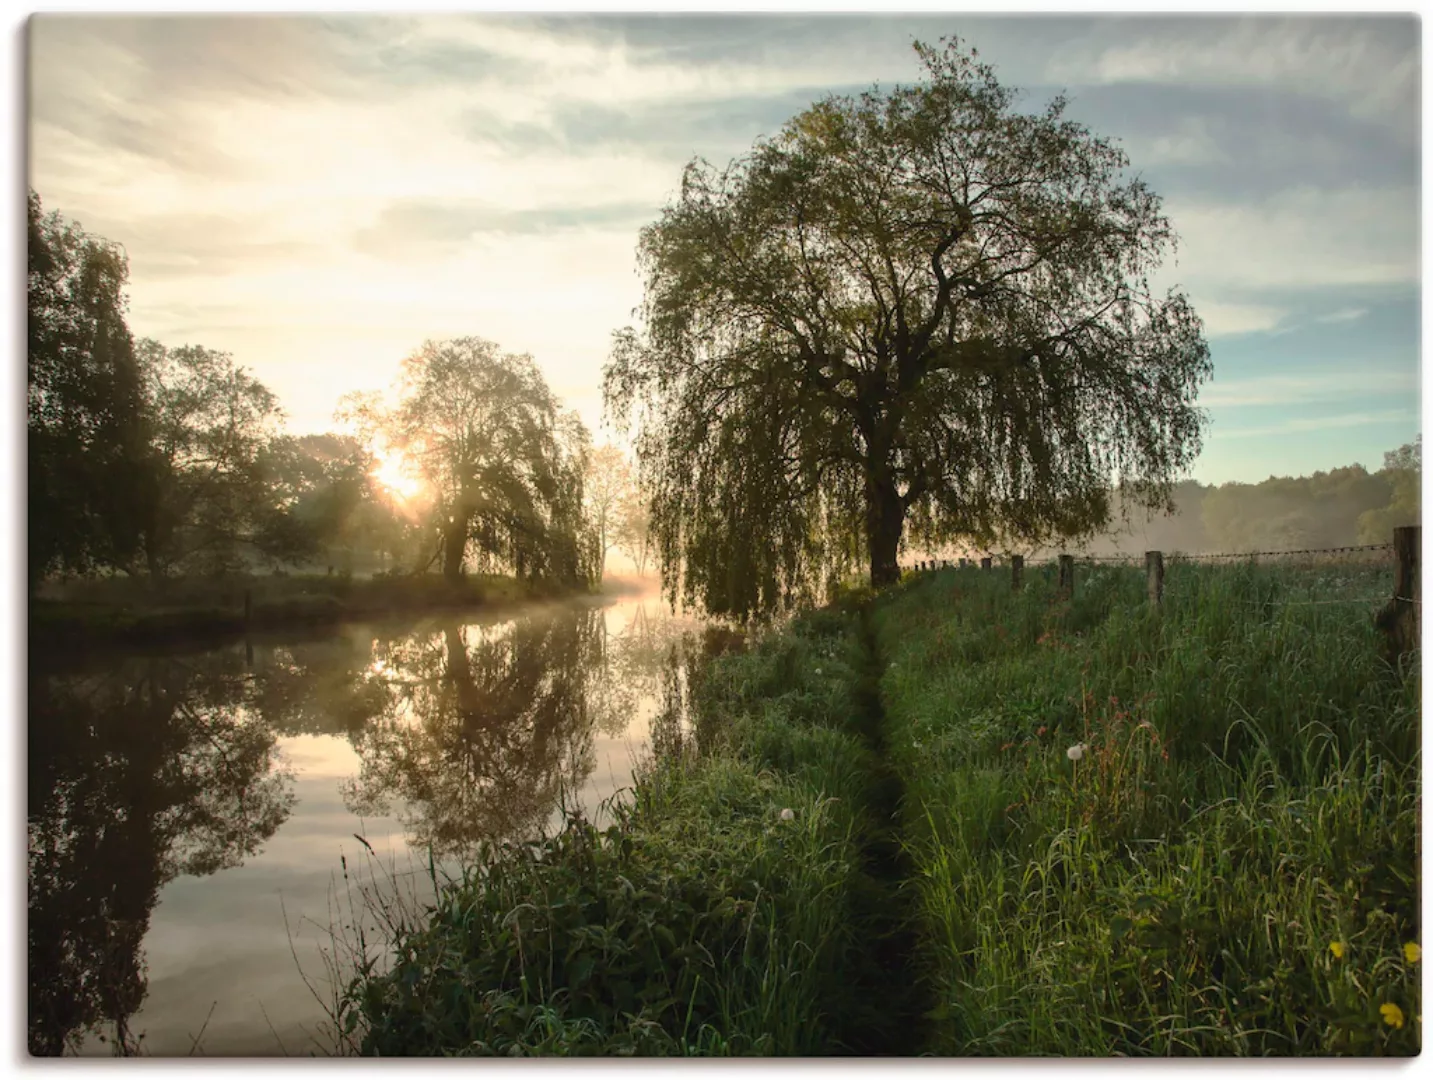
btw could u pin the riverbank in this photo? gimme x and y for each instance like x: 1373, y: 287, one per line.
x: 120, y: 611
x: 960, y: 820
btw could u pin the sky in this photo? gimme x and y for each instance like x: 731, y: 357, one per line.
x: 319, y: 195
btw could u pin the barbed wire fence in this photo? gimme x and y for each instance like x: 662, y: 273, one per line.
x: 1400, y: 617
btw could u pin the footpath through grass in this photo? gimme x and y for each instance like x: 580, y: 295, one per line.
x: 957, y: 820
x: 1183, y: 830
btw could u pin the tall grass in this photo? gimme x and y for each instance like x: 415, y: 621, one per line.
x: 720, y: 913
x: 1230, y: 866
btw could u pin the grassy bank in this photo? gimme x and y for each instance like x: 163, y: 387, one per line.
x: 1230, y: 866
x: 964, y: 821
x: 120, y: 610
x: 728, y: 911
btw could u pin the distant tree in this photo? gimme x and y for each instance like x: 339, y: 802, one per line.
x: 210, y: 501
x: 633, y: 533
x: 608, y: 484
x: 1403, y: 473
x: 85, y: 403
x: 1285, y: 513
x: 505, y: 468
x: 920, y: 308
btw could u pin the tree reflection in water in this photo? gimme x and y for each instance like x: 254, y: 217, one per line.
x: 153, y: 769
x: 485, y: 728
x: 158, y: 767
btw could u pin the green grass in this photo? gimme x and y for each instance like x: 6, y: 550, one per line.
x: 700, y: 922
x: 951, y: 881
x: 1248, y: 796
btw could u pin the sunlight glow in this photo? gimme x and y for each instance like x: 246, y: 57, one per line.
x: 395, y: 472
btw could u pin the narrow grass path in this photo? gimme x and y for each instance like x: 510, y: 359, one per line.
x: 895, y: 1023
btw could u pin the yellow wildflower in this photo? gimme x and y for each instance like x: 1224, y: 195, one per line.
x: 1336, y: 948
x: 1392, y: 1014
x: 1411, y: 952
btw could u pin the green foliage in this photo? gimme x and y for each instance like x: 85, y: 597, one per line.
x: 208, y: 503
x: 504, y: 468
x: 917, y: 307
x: 1291, y: 513
x: 1246, y: 796
x: 700, y: 922
x: 85, y: 409
x: 1403, y: 471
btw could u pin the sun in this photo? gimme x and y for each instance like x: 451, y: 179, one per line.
x: 395, y: 473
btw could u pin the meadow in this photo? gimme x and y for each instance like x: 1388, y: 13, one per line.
x: 958, y: 819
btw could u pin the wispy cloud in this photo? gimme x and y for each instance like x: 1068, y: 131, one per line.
x: 318, y: 195
x: 1323, y: 423
x: 1365, y: 63
x: 1230, y: 319
x: 1300, y: 238
x: 1342, y: 315
x: 1308, y: 388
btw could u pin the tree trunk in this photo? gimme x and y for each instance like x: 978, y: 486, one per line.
x: 455, y: 540
x: 885, y: 520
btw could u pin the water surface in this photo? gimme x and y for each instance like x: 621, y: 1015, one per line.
x: 195, y: 817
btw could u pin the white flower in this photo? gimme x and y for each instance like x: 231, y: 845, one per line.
x: 788, y: 814
x: 1076, y: 752
x: 818, y: 671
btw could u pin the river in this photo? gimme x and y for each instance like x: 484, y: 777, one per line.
x: 201, y: 822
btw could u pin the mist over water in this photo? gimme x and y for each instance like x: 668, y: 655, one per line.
x: 188, y: 811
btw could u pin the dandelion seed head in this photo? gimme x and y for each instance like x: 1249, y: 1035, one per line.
x: 1076, y: 752
x: 788, y: 814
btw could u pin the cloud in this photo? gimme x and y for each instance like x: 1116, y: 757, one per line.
x: 1298, y: 424
x: 1371, y: 65
x: 1305, y: 237
x: 420, y: 228
x: 1229, y: 319
x: 1342, y: 315
x: 1315, y: 386
x: 318, y: 195
x: 717, y: 129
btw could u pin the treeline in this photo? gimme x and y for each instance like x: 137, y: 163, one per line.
x: 1339, y: 508
x: 155, y: 462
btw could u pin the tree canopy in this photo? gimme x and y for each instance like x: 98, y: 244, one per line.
x: 85, y: 408
x: 917, y: 309
x: 503, y: 466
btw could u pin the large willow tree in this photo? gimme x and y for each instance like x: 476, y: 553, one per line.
x: 916, y: 309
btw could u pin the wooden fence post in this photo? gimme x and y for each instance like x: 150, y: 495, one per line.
x: 962, y: 564
x: 1017, y: 570
x: 985, y: 563
x: 1402, y: 619
x: 1067, y: 575
x: 1154, y: 571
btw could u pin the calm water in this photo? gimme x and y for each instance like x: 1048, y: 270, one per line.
x: 192, y: 815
